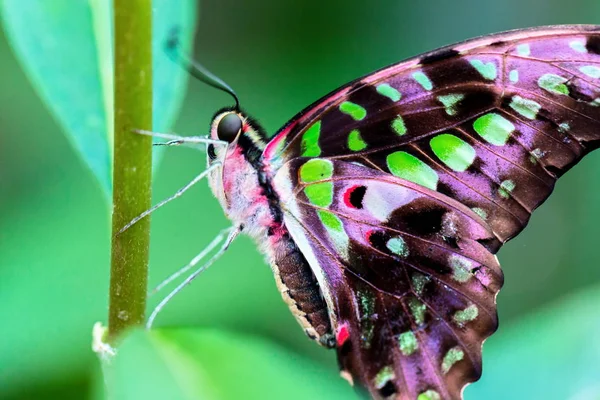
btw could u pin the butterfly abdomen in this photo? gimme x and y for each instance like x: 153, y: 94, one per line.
x: 300, y: 289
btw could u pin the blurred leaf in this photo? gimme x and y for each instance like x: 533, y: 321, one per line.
x: 216, y: 365
x: 65, y: 47
x: 552, y: 354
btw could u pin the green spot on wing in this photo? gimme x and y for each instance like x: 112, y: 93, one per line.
x: 467, y: 315
x: 397, y: 245
x: 453, y: 151
x: 523, y: 50
x: 418, y: 282
x: 553, y: 83
x: 310, y: 141
x: 453, y: 356
x: 354, y: 110
x: 409, y: 167
x: 422, y: 80
x: 429, y: 395
x: 506, y: 187
x: 450, y: 101
x: 461, y: 268
x: 320, y: 194
x: 330, y: 221
x: 537, y: 154
x: 591, y: 70
x: 481, y: 212
x: 390, y: 92
x: 564, y: 127
x: 514, y: 76
x: 525, y: 107
x: 367, y: 310
x: 383, y: 376
x: 417, y: 310
x: 398, y: 125
x: 408, y: 343
x: 487, y: 70
x: 578, y: 46
x: 317, y: 169
x: 494, y: 128
x: 355, y: 141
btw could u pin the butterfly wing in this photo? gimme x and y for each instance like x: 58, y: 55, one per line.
x: 421, y: 171
x: 491, y: 122
x: 409, y: 282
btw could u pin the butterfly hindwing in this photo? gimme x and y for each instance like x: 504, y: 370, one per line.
x: 405, y: 271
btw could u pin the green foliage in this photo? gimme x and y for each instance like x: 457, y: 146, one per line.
x: 551, y: 354
x: 191, y: 364
x: 66, y: 48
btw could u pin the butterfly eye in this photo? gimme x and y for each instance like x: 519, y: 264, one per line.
x: 229, y: 127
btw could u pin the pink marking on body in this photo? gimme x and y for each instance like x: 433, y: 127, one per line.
x: 347, y: 195
x: 342, y: 334
x: 277, y: 233
x: 235, y: 163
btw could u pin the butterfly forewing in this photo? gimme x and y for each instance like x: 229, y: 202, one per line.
x: 491, y: 124
x: 400, y: 187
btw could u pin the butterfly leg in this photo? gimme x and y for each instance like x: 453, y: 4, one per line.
x: 174, y: 142
x: 218, y: 239
x: 233, y: 232
x: 177, y: 194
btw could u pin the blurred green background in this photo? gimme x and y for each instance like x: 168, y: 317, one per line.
x: 279, y: 57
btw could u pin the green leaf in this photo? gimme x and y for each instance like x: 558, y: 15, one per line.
x: 65, y: 48
x: 216, y: 365
x: 552, y: 354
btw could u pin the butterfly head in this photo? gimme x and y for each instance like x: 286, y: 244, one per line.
x: 242, y: 142
x: 235, y: 129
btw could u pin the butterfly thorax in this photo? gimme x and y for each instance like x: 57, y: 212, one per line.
x: 244, y: 190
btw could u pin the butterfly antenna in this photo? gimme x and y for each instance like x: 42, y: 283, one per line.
x: 198, y: 71
x: 176, y: 140
x: 233, y: 232
x: 218, y: 239
x: 149, y: 211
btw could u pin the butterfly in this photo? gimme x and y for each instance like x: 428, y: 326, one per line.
x: 381, y: 206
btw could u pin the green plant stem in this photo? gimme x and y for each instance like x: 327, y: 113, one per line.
x: 132, y: 164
